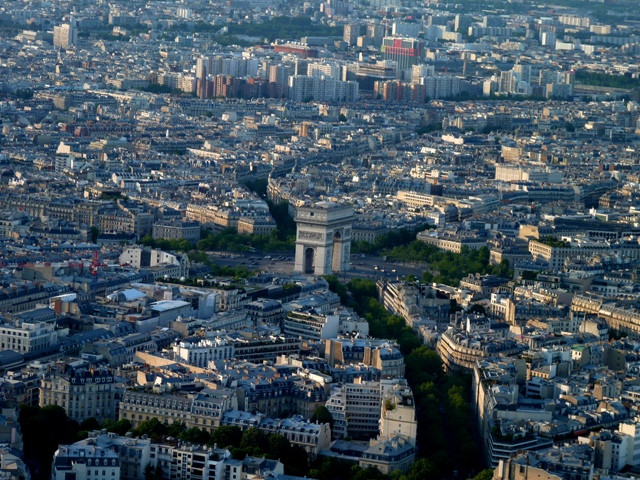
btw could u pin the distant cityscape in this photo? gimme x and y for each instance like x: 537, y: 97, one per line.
x: 330, y: 240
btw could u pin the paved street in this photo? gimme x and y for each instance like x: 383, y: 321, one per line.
x: 369, y: 266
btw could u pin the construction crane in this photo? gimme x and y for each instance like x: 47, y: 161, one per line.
x: 94, y: 268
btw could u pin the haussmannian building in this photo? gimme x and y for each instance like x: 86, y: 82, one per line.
x: 83, y: 392
x: 460, y: 350
x: 203, y: 410
x: 84, y: 462
x: 177, y: 231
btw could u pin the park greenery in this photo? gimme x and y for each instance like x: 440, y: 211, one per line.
x: 322, y: 415
x: 220, y: 270
x: 361, y: 295
x: 448, y: 267
x: 229, y: 240
x: 196, y: 255
x: 42, y: 430
x: 181, y: 245
x: 390, y: 239
x: 599, y: 79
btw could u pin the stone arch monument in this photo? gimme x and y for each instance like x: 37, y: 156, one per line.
x: 323, y: 240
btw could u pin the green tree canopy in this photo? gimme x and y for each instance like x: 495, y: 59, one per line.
x: 226, y: 436
x: 43, y: 429
x: 120, y: 427
x: 152, y: 428
x: 194, y: 435
x: 322, y: 415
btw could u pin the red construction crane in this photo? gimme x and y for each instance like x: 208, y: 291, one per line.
x: 95, y: 264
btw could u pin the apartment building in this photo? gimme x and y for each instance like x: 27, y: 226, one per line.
x: 278, y: 397
x: 461, y: 350
x: 132, y: 457
x: 355, y: 408
x: 310, y: 325
x: 389, y: 454
x: 203, y: 409
x: 555, y: 254
x: 85, y: 461
x: 383, y: 355
x: 156, y: 261
x: 195, y: 462
x: 313, y: 437
x: 138, y: 406
x: 177, y: 231
x: 450, y: 242
x: 560, y: 462
x: 65, y: 35
x: 398, y: 412
x: 256, y: 349
x: 83, y: 391
x: 26, y: 296
x: 413, y: 302
x: 200, y: 351
x: 264, y: 312
x: 109, y: 456
x: 29, y: 338
x: 185, y: 461
x: 256, y: 225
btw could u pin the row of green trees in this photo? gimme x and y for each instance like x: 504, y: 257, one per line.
x: 448, y: 267
x: 250, y: 442
x: 282, y: 239
x: 229, y: 240
x: 445, y: 437
x: 181, y: 245
x: 390, y: 239
x: 196, y: 255
x: 219, y: 270
x: 44, y: 428
x: 361, y: 295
